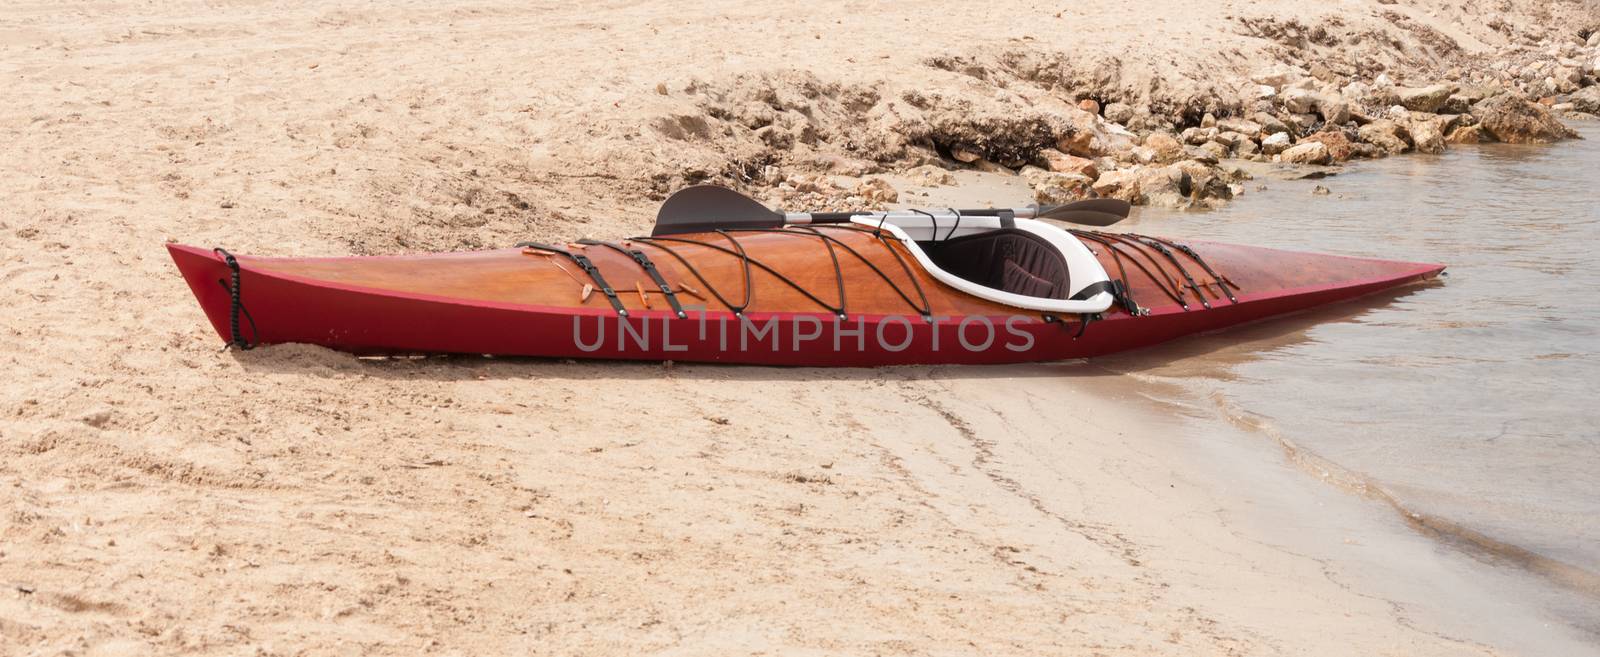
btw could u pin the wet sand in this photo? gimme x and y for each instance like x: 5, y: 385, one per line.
x: 164, y: 496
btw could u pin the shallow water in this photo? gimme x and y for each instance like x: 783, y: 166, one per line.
x: 1473, y: 405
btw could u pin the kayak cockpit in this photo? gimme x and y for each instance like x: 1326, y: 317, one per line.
x: 1023, y: 263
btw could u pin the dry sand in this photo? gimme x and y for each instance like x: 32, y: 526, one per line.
x: 162, y: 496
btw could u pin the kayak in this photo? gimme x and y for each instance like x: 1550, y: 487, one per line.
x: 842, y: 289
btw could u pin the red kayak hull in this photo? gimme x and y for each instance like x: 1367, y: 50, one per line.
x: 284, y: 308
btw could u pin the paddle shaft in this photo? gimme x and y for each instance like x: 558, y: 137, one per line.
x: 936, y: 215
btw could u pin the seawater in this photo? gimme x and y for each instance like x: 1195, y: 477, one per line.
x: 1472, y: 405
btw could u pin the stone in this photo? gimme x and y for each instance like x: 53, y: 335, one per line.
x: 1205, y: 182
x: 1321, y: 72
x: 1456, y: 104
x: 1587, y: 100
x: 876, y: 191
x: 1058, y: 188
x: 963, y: 155
x: 1385, y: 134
x: 1121, y: 184
x: 1208, y: 121
x: 1230, y: 138
x: 1163, y: 187
x: 1089, y: 105
x: 1426, y: 99
x: 1299, y: 101
x: 1319, y: 190
x: 1142, y: 154
x: 1198, y: 136
x: 1244, y: 149
x: 1339, y: 145
x: 1167, y: 147
x: 1594, y: 39
x: 1269, y: 123
x: 1215, y: 150
x: 1517, y: 121
x: 1310, y: 152
x: 1302, y: 123
x: 1278, y: 76
x: 1365, y: 151
x: 1334, y: 111
x: 1060, y: 162
x: 1426, y: 137
x: 1078, y: 143
x: 1241, y: 126
x: 1119, y: 113
x: 1275, y: 143
x: 1262, y: 92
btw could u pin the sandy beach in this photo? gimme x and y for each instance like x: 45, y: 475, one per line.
x: 162, y: 495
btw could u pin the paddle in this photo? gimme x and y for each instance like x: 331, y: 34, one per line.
x: 704, y: 208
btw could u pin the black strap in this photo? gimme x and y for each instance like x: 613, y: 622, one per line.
x: 1008, y: 218
x: 1222, y: 282
x: 649, y: 269
x: 237, y: 339
x: 1158, y: 246
x: 588, y: 267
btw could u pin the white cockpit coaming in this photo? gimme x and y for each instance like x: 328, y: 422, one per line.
x: 1083, y: 268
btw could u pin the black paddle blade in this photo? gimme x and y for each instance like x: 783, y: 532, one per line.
x: 704, y: 208
x: 1088, y: 212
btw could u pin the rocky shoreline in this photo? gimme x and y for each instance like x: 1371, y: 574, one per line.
x: 801, y: 142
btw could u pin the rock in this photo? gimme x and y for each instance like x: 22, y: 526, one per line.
x: 930, y: 176
x: 1241, y: 126
x: 1230, y: 138
x: 1198, y: 136
x: 1334, y: 111
x: 1562, y: 108
x: 1299, y: 101
x: 1310, y: 152
x: 1119, y: 113
x: 1319, y: 190
x: 1365, y: 151
x: 1427, y: 137
x: 1244, y: 149
x: 876, y: 191
x: 1163, y: 187
x: 1060, y: 162
x: 1321, y: 72
x: 1278, y: 76
x: 1167, y: 147
x: 1594, y: 39
x: 963, y: 155
x: 1142, y: 154
x: 1456, y: 104
x: 1339, y: 146
x: 1517, y: 121
x: 1426, y: 99
x: 1121, y: 184
x: 1302, y: 123
x: 1269, y: 123
x: 1204, y: 182
x: 1215, y: 150
x: 1089, y: 105
x: 1587, y: 100
x: 987, y: 166
x: 1385, y: 134
x: 1275, y: 143
x: 1208, y: 121
x: 1058, y: 188
x: 1466, y: 135
x: 1262, y: 92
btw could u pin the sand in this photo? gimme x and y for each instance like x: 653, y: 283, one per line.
x: 163, y: 496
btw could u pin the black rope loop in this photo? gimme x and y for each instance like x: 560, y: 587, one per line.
x: 236, y: 339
